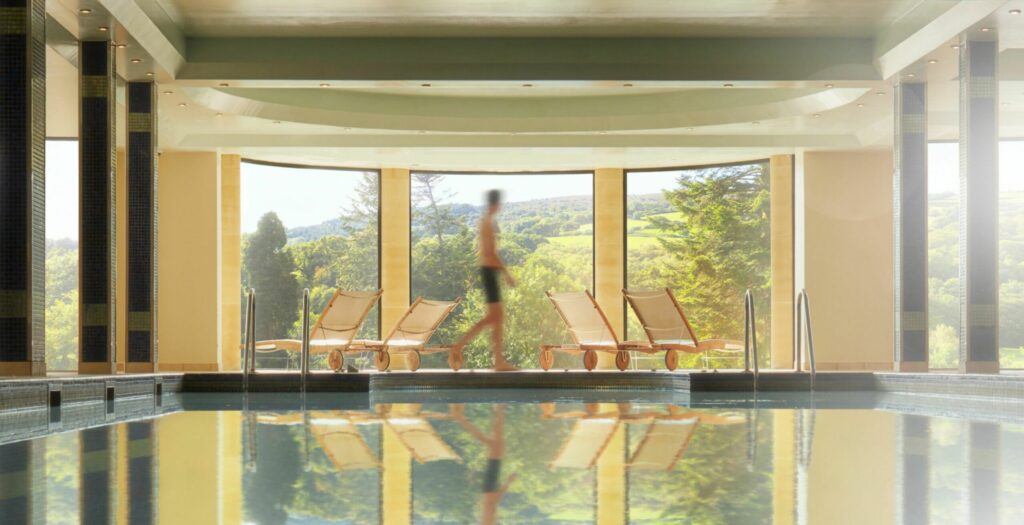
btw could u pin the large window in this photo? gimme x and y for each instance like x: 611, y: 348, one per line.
x: 61, y: 255
x: 705, y: 234
x: 546, y: 240
x: 307, y: 228
x: 1011, y: 254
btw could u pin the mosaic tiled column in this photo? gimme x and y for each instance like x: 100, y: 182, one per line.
x: 97, y: 183
x: 914, y: 467
x: 142, y: 494
x: 910, y: 227
x: 979, y: 193
x: 141, y: 355
x: 22, y: 185
x: 983, y: 472
x: 97, y: 466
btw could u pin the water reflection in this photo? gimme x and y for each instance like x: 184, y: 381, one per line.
x: 521, y: 463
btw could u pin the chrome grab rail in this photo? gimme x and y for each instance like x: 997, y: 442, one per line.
x: 750, y: 335
x: 803, y: 327
x: 249, y: 348
x: 304, y: 358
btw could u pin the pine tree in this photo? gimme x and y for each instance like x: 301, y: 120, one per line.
x: 270, y: 270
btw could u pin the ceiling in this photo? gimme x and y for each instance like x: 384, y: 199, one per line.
x: 533, y: 84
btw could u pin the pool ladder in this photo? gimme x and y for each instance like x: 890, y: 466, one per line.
x: 304, y: 357
x: 249, y: 348
x: 750, y: 335
x: 803, y: 328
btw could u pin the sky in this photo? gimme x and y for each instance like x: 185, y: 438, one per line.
x: 303, y: 197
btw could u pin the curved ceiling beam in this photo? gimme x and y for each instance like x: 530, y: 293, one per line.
x: 662, y: 110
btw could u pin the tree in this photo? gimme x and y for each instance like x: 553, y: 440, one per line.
x: 269, y: 269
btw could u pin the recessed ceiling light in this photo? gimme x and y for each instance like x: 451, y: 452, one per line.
x: 602, y: 132
x: 689, y: 129
x: 879, y: 93
x: 727, y: 85
x: 860, y: 105
x: 220, y: 114
x: 816, y: 115
x: 277, y: 122
x: 85, y: 11
x: 103, y: 28
x: 527, y: 85
x: 182, y: 104
x: 136, y: 60
x: 911, y: 75
x: 121, y: 46
x: 986, y: 29
x: 224, y: 84
x: 955, y: 46
x: 933, y: 61
x: 149, y: 73
x: 325, y: 85
x: 830, y: 86
x: 1014, y: 11
x: 755, y: 123
x: 424, y: 85
x: 627, y: 85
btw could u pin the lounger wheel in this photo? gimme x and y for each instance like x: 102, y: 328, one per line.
x: 382, y: 360
x: 455, y: 359
x: 547, y: 359
x: 671, y: 359
x: 412, y: 360
x: 622, y: 360
x: 336, y: 360
x: 590, y: 359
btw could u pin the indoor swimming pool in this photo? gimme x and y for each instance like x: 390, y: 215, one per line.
x: 533, y: 457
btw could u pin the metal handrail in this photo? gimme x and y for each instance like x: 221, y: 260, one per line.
x: 750, y: 335
x: 304, y: 358
x: 249, y: 348
x: 803, y: 327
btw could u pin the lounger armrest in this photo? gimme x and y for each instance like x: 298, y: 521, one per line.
x: 720, y: 344
x: 629, y: 345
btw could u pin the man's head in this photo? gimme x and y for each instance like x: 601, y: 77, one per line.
x: 493, y: 201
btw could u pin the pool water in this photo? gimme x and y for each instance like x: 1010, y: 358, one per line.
x: 522, y: 462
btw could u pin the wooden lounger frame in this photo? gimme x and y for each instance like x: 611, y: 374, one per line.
x: 589, y: 351
x: 698, y: 346
x: 382, y: 350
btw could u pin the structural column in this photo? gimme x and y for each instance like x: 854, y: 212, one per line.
x: 781, y: 173
x: 22, y: 185
x: 395, y: 200
x: 231, y: 261
x: 979, y: 193
x: 610, y: 251
x: 142, y: 227
x: 97, y: 186
x: 910, y: 228
x: 914, y: 467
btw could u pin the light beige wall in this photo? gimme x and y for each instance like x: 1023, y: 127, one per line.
x: 189, y: 261
x: 394, y: 250
x: 847, y: 253
x: 781, y: 173
x: 609, y: 250
x: 231, y: 261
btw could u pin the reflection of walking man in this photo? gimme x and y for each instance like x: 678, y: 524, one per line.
x: 491, y: 267
x: 495, y: 443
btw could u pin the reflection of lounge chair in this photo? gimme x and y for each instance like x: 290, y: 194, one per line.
x: 341, y: 441
x: 410, y: 335
x: 668, y: 329
x: 590, y: 332
x: 419, y: 437
x: 335, y: 330
x: 585, y: 443
x: 663, y: 444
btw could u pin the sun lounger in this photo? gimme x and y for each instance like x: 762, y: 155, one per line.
x: 668, y: 329
x: 335, y: 330
x: 411, y: 334
x: 590, y: 330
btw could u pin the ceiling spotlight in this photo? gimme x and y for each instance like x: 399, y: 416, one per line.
x: 85, y: 11
x: 727, y: 85
x: 955, y: 46
x: 527, y: 85
x: 136, y: 60
x: 933, y: 61
x: 1014, y: 11
x: 755, y: 123
x: 121, y: 46
x: 103, y: 28
x: 325, y: 85
x: 220, y: 114
x: 223, y: 84
x: 879, y: 93
x: 986, y: 29
x: 182, y: 104
x: 424, y: 85
x: 277, y: 122
x: 816, y: 115
x: 689, y: 129
x: 911, y: 75
x: 149, y: 73
x: 860, y: 105
x: 627, y: 85
x: 830, y: 86
x: 168, y: 92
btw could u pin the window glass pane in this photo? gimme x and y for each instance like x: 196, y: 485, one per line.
x: 61, y: 255
x: 546, y: 240
x: 1011, y: 254
x: 943, y: 254
x: 705, y: 234
x: 307, y: 228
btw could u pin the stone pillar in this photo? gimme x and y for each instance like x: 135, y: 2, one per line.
x: 983, y: 470
x: 231, y: 261
x: 22, y: 186
x: 142, y: 227
x: 914, y: 469
x: 141, y: 477
x: 780, y: 171
x: 610, y: 251
x: 910, y: 227
x: 97, y: 258
x: 97, y: 466
x: 979, y: 204
x: 395, y: 202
